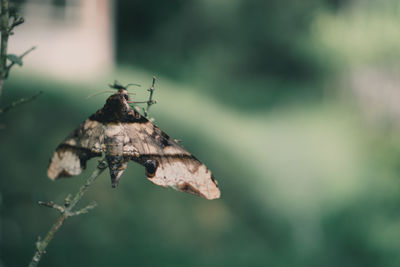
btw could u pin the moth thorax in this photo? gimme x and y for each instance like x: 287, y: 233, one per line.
x: 114, y: 140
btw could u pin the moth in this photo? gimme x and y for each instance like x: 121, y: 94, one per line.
x: 123, y: 134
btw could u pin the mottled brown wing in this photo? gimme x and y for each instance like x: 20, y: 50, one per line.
x: 167, y: 163
x: 71, y: 155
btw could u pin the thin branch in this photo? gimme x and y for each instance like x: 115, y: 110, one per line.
x: 85, y: 209
x: 150, y: 102
x: 19, y: 102
x: 16, y: 20
x: 52, y: 205
x: 17, y: 60
x: 27, y: 51
x: 66, y: 212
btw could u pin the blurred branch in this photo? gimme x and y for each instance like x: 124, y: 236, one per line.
x: 9, y: 19
x: 16, y: 60
x: 16, y: 20
x: 19, y: 102
x: 66, y: 212
x: 4, y: 17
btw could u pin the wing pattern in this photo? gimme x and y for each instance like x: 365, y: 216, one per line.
x: 167, y: 163
x: 81, y: 145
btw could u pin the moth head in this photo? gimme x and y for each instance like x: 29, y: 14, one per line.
x: 117, y: 104
x: 122, y: 89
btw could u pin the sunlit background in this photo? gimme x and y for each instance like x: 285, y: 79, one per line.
x: 294, y: 106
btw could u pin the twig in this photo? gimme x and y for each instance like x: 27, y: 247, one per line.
x: 16, y: 60
x: 66, y: 212
x: 19, y: 102
x: 85, y: 209
x: 51, y: 204
x: 16, y: 20
x: 150, y: 102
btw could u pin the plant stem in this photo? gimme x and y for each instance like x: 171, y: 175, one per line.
x: 66, y: 211
x: 19, y: 102
x: 150, y: 102
x: 4, y: 17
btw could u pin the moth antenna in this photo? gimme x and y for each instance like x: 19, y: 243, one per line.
x: 131, y: 93
x: 116, y: 85
x: 132, y: 84
x: 99, y: 93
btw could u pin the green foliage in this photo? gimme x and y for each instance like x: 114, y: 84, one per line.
x: 225, y: 44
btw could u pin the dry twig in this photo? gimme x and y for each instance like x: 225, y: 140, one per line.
x: 66, y: 211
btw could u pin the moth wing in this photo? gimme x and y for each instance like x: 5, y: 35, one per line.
x: 71, y: 155
x: 167, y: 163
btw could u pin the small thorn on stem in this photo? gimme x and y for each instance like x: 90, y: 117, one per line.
x: 67, y: 200
x: 51, y: 204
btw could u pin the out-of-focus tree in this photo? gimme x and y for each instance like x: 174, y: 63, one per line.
x: 236, y: 42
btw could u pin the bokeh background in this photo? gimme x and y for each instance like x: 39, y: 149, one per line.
x: 294, y: 106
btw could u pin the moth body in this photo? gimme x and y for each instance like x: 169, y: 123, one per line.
x: 123, y: 134
x: 114, y: 137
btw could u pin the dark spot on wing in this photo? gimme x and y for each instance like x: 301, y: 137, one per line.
x: 151, y: 167
x: 186, y: 187
x: 213, y: 179
x: 164, y: 139
x: 161, y: 138
x: 77, y: 132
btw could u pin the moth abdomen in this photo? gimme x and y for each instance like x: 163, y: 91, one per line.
x: 117, y: 166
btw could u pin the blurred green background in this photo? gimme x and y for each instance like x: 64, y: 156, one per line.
x: 292, y: 104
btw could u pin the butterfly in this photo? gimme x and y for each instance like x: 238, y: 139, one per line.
x: 123, y: 134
